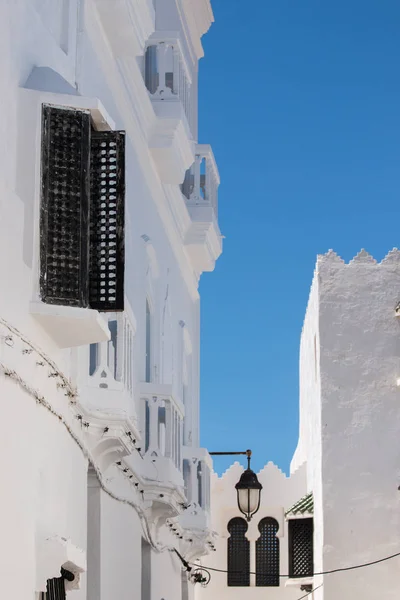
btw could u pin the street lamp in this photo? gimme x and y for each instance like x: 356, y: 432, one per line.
x: 248, y: 487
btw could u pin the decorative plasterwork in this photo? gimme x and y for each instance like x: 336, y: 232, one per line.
x: 193, y: 542
x: 203, y: 240
x: 100, y: 437
x: 197, y: 17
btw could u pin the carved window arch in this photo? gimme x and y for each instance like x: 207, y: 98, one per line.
x: 238, y: 553
x: 267, y: 553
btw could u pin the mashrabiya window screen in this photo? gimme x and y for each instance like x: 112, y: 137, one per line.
x: 301, y: 551
x: 267, y: 553
x: 238, y: 553
x: 82, y: 212
x: 55, y: 588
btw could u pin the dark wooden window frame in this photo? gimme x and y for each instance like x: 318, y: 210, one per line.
x: 238, y: 553
x: 268, y: 553
x: 81, y: 212
x: 301, y: 547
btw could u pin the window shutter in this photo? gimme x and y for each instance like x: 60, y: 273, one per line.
x: 64, y: 239
x: 55, y: 589
x: 267, y: 553
x: 301, y: 554
x: 238, y: 553
x: 107, y: 220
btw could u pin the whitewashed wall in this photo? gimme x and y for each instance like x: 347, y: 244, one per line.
x: 49, y: 514
x: 353, y: 408
x: 278, y: 495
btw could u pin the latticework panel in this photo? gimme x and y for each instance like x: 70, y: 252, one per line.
x: 267, y: 553
x: 301, y: 559
x: 64, y: 207
x: 55, y: 589
x: 238, y: 553
x: 107, y: 253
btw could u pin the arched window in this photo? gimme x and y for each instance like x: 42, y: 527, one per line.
x: 267, y: 553
x: 238, y: 553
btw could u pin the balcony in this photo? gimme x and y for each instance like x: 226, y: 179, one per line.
x: 107, y: 389
x: 162, y: 435
x: 168, y: 81
x: 200, y: 190
x: 197, y: 467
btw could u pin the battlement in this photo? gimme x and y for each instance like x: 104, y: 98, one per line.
x: 362, y: 258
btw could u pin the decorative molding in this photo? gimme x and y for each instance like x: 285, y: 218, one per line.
x: 96, y: 438
x: 196, y: 17
x: 203, y: 240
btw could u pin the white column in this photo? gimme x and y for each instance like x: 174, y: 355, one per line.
x: 196, y: 190
x: 153, y: 406
x: 168, y: 429
x: 161, y: 56
x: 193, y: 479
x: 177, y: 71
x: 102, y: 353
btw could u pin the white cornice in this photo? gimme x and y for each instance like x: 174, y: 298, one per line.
x: 198, y: 17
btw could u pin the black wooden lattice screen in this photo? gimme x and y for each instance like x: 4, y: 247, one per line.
x: 82, y: 212
x: 238, y: 553
x: 107, y: 220
x: 267, y: 553
x: 55, y: 588
x: 64, y: 209
x: 301, y: 558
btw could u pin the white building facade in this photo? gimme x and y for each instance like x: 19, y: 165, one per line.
x: 109, y: 216
x: 340, y: 506
x: 350, y: 425
x: 250, y: 558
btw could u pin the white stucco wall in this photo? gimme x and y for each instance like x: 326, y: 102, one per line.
x: 349, y: 428
x: 308, y: 451
x: 49, y: 514
x: 278, y: 495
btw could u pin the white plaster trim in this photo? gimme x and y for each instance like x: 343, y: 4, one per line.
x: 299, y: 581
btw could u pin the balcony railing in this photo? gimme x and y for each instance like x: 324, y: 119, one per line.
x: 200, y: 186
x: 162, y: 423
x: 167, y: 76
x: 111, y: 363
x: 197, y: 467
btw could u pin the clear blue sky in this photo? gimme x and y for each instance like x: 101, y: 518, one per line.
x: 300, y: 100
